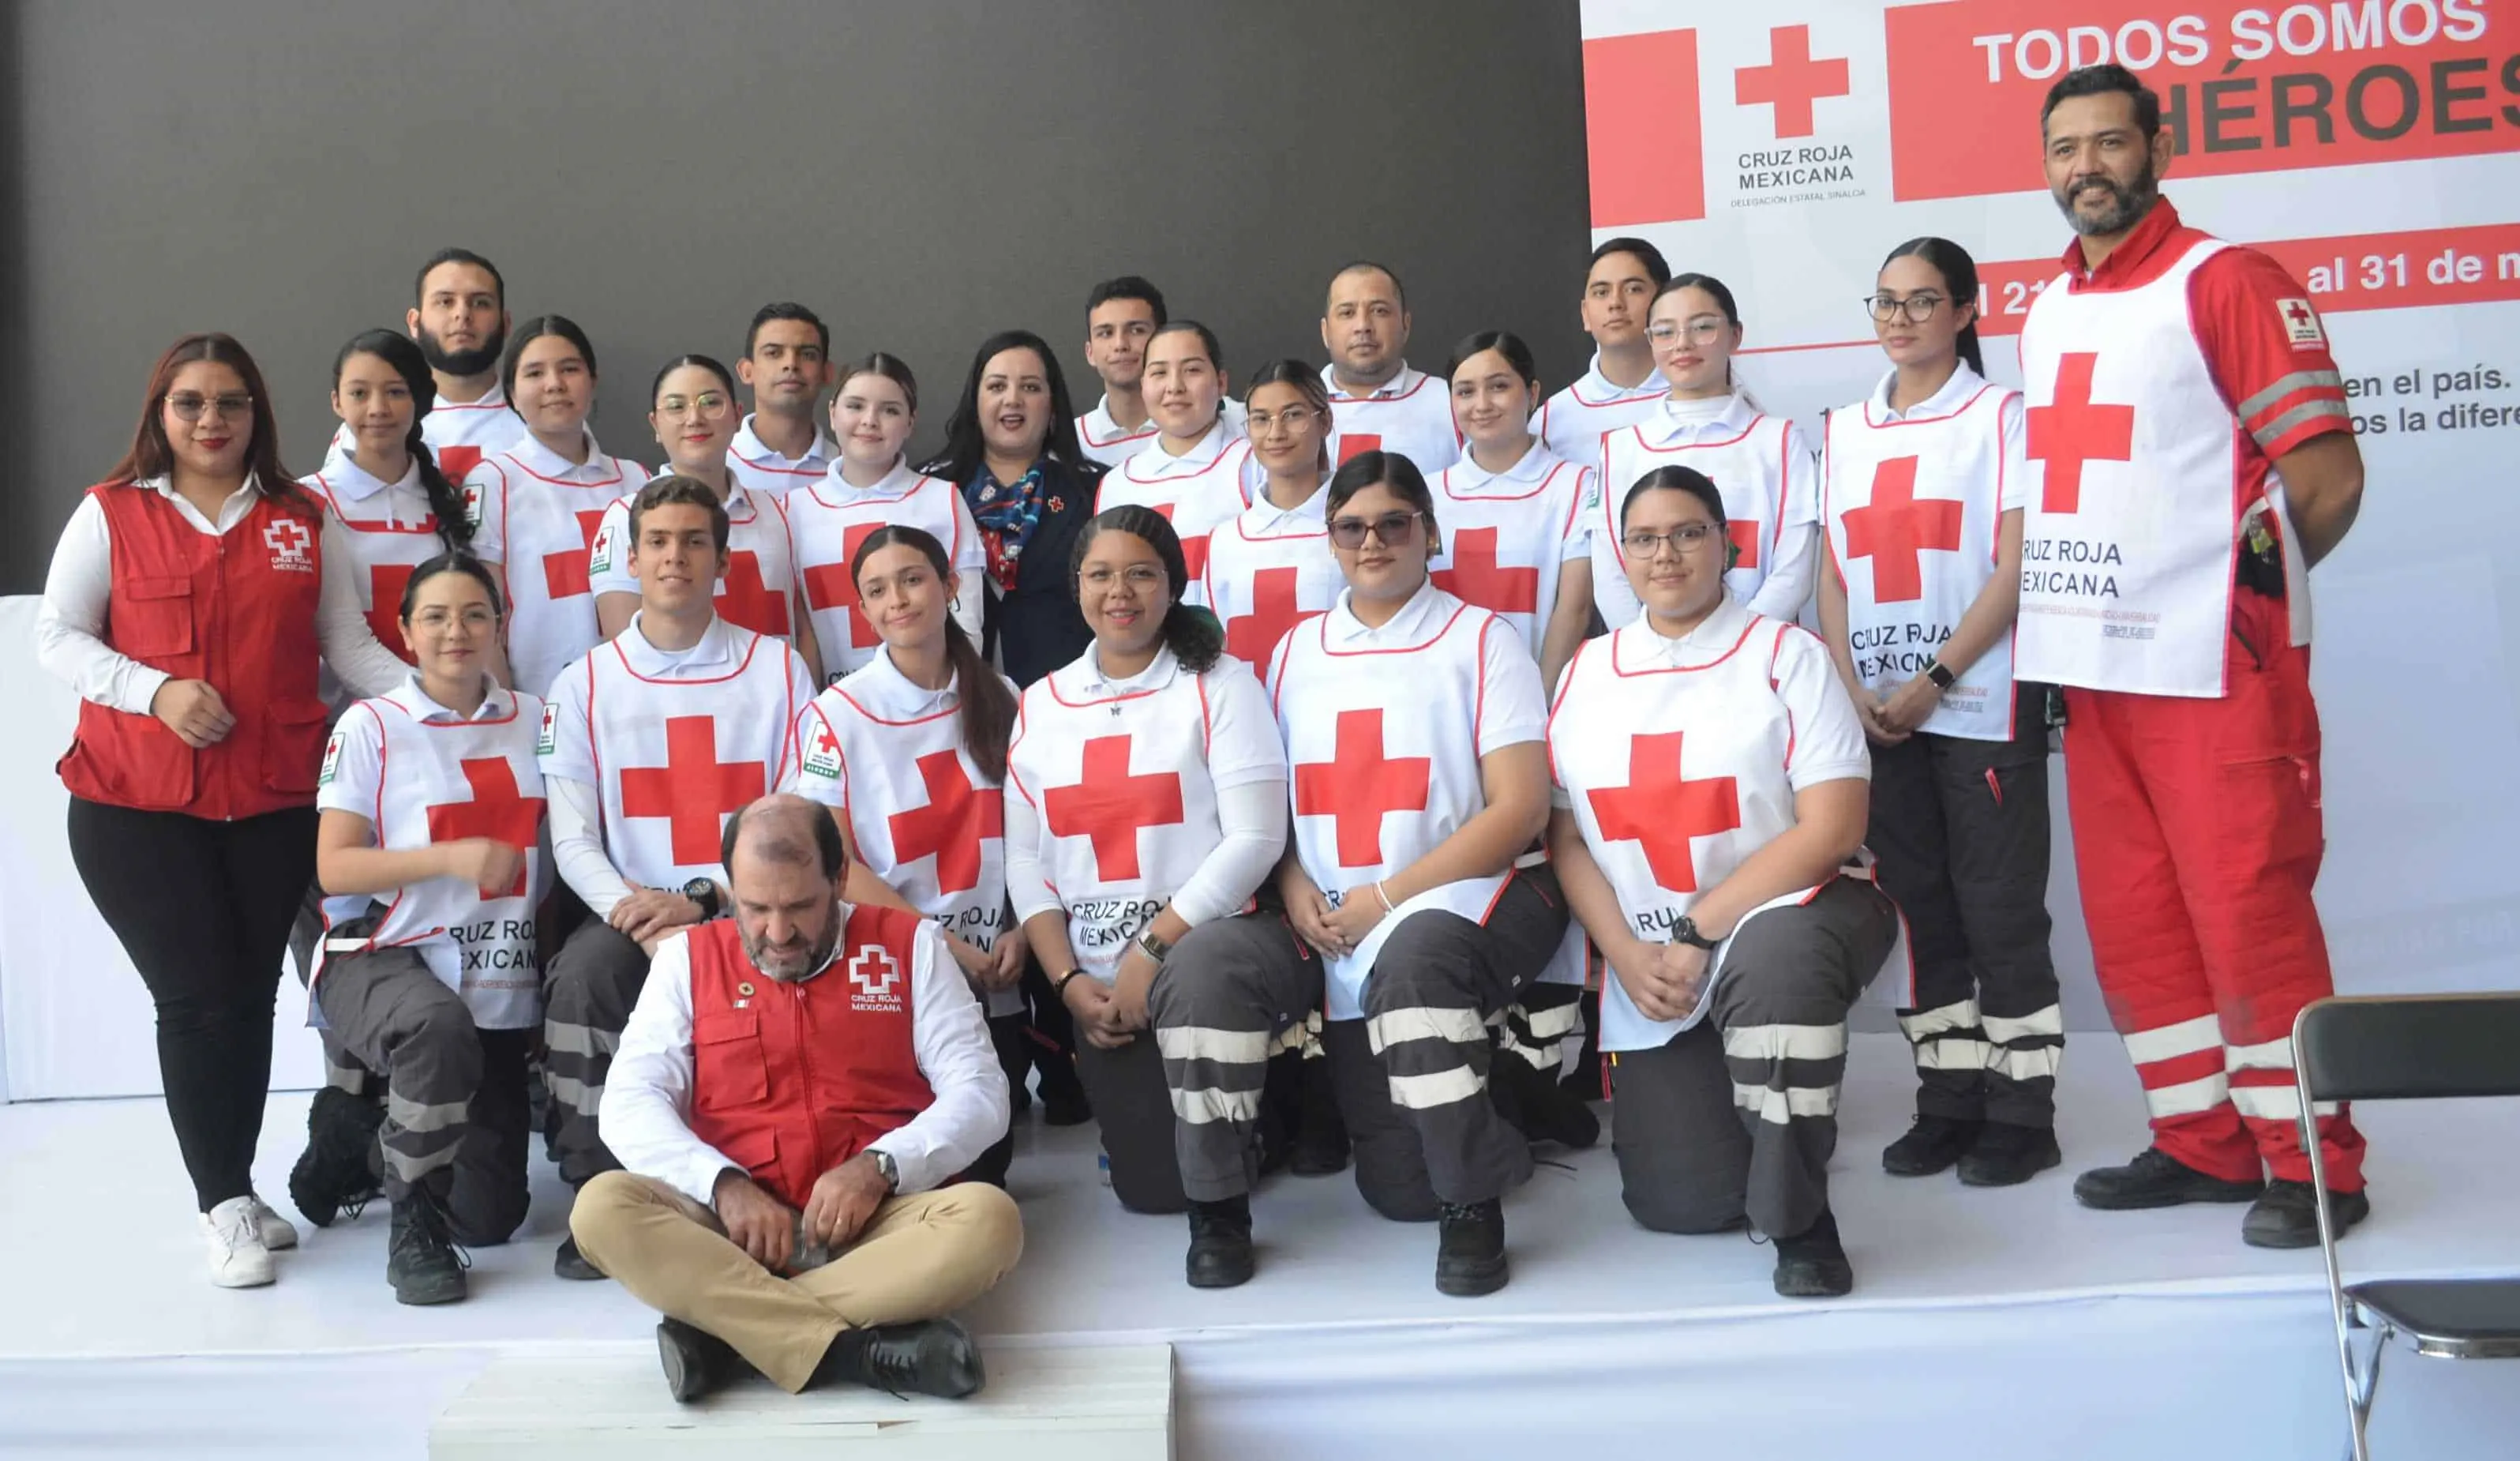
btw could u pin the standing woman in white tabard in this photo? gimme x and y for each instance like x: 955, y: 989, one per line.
x: 1922, y: 485
x: 1707, y: 423
x: 1272, y: 564
x: 1196, y: 472
x: 534, y: 508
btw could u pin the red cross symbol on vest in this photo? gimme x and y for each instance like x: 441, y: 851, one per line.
x: 1894, y: 528
x: 875, y: 971
x: 2072, y: 429
x: 1110, y: 806
x: 1663, y: 811
x: 385, y: 583
x: 1353, y: 445
x: 831, y: 585
x: 1194, y: 549
x: 1790, y: 81
x: 694, y: 790
x: 1475, y: 576
x: 745, y: 598
x: 455, y: 461
x: 565, y: 574
x: 495, y: 811
x: 289, y: 539
x: 1249, y: 637
x: 956, y: 820
x: 1359, y: 784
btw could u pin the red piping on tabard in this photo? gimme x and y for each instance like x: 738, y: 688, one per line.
x: 1827, y: 511
x: 866, y: 495
x: 1379, y: 397
x: 1792, y: 732
x: 594, y: 753
x: 1206, y: 724
x: 1459, y: 610
x: 1955, y: 412
x: 740, y: 668
x: 592, y: 458
x: 860, y: 707
x: 1140, y: 435
x: 427, y: 521
x: 2239, y: 434
x: 1576, y: 390
x: 1445, y: 478
x: 1747, y: 629
x: 1051, y: 680
x: 1479, y: 701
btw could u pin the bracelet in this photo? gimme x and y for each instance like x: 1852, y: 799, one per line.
x: 1379, y: 894
x: 1061, y: 987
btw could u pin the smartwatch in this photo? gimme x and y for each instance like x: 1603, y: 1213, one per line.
x: 1683, y: 930
x: 886, y: 1169
x: 1940, y: 674
x: 702, y: 891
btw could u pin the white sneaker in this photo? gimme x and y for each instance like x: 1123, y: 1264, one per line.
x: 275, y: 1229
x: 237, y: 1258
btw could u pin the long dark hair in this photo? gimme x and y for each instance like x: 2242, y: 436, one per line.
x: 404, y: 358
x: 988, y: 714
x: 151, y: 456
x: 1505, y: 343
x: 965, y: 449
x: 1192, y: 634
x: 1959, y: 281
x: 535, y: 329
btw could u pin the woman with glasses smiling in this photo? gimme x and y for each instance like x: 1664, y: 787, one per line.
x: 696, y: 420
x: 1922, y: 500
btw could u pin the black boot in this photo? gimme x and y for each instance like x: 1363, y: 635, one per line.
x: 1533, y: 1103
x: 333, y: 1172
x: 1320, y: 1132
x: 1930, y: 1146
x: 1063, y: 1095
x: 570, y: 1263
x: 2283, y: 1215
x: 1812, y: 1264
x: 2006, y: 1155
x: 927, y: 1358
x: 695, y: 1361
x: 2157, y: 1179
x: 1220, y: 1243
x: 421, y: 1261
x: 1469, y: 1254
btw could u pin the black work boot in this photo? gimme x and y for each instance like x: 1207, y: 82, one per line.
x: 1930, y: 1146
x: 1220, y: 1243
x: 1535, y: 1104
x: 2283, y: 1217
x: 2006, y: 1155
x: 925, y: 1358
x: 570, y: 1263
x: 1469, y: 1254
x: 1813, y: 1263
x: 422, y: 1261
x: 335, y: 1173
x: 1063, y: 1095
x: 1320, y: 1132
x: 695, y: 1361
x: 2157, y: 1179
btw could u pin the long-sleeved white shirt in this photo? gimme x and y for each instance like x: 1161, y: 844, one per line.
x: 644, y: 1113
x: 70, y: 624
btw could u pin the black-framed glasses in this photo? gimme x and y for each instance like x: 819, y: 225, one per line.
x: 1685, y: 537
x: 1389, y: 530
x: 1917, y: 307
x: 192, y: 405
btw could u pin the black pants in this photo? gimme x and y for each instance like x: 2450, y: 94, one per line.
x: 1135, y: 1109
x: 588, y: 990
x: 1040, y: 1036
x: 1961, y: 829
x: 203, y: 910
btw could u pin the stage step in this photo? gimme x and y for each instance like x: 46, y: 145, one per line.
x: 605, y: 1402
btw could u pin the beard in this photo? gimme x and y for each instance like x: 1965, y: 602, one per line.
x: 2127, y: 203
x: 781, y: 962
x: 473, y: 362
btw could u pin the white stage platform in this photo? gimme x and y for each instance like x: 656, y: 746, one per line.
x: 2007, y: 1321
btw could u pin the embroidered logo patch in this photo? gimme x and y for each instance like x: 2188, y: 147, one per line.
x: 472, y: 504
x: 291, y: 543
x: 332, y: 760
x: 2301, y: 324
x: 601, y: 560
x: 823, y: 757
x: 548, y: 740
x: 875, y: 971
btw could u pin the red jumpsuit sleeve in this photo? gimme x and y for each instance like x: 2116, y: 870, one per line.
x: 2267, y: 350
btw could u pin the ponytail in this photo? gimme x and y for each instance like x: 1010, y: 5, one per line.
x: 988, y: 714
x: 1192, y: 633
x: 445, y: 499
x: 1959, y: 281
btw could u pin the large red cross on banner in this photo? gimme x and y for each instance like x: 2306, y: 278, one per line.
x: 745, y: 598
x: 1791, y: 80
x: 694, y: 790
x: 1475, y: 576
x: 956, y: 820
x: 1249, y: 637
x: 385, y: 583
x: 1663, y: 811
x: 565, y: 574
x: 1359, y: 784
x: 1110, y: 806
x: 831, y: 585
x: 2072, y: 429
x: 1894, y: 528
x: 496, y: 811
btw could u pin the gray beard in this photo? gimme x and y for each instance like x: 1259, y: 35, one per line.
x: 2126, y: 207
x: 820, y: 956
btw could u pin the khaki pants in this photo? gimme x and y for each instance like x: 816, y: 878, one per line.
x: 920, y: 1257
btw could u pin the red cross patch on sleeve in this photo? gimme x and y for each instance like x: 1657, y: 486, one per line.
x: 2301, y: 324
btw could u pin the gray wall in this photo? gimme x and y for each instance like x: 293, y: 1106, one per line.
x: 921, y: 172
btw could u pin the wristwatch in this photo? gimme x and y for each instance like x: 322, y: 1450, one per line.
x: 702, y: 891
x: 886, y: 1169
x: 1683, y: 930
x: 1941, y: 675
x: 1152, y: 946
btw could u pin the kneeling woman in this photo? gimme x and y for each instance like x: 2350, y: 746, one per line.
x: 432, y: 807
x: 1415, y: 726
x: 1711, y: 790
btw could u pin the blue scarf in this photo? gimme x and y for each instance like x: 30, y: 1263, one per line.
x: 1008, y: 516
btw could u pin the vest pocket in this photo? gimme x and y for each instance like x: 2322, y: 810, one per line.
x: 293, y: 746
x: 726, y: 1066
x: 159, y: 625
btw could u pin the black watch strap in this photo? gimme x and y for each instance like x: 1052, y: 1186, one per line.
x: 1941, y: 675
x: 703, y: 891
x: 1683, y: 930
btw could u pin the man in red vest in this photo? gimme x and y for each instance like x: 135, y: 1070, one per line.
x: 796, y: 1089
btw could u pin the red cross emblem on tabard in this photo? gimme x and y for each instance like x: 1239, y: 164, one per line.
x: 1791, y: 80
x: 564, y: 574
x: 495, y: 811
x: 1475, y: 576
x: 2072, y: 429
x: 1359, y: 784
x: 1249, y: 637
x: 1663, y: 811
x: 1194, y: 549
x: 1110, y: 807
x: 693, y: 791
x: 1894, y: 528
x: 385, y: 583
x: 956, y: 820
x: 746, y: 599
x: 831, y: 585
x: 1354, y: 444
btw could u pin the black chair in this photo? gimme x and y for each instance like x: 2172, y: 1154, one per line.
x: 2397, y: 1048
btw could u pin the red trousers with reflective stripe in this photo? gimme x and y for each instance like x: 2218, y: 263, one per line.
x: 2196, y: 839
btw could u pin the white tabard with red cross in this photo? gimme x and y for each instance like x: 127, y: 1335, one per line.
x: 537, y: 514
x: 1197, y: 493
x: 1913, y: 508
x: 2133, y: 512
x: 1383, y: 746
x: 1508, y: 534
x: 1411, y: 414
x: 422, y: 775
x: 889, y: 755
x: 828, y: 520
x: 758, y: 589
x: 390, y: 531
x: 1265, y: 570
x: 1122, y: 788
x: 1753, y: 471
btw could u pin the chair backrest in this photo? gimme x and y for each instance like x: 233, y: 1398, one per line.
x: 2414, y: 1046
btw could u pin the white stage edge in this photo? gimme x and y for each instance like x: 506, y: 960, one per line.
x: 2007, y: 1320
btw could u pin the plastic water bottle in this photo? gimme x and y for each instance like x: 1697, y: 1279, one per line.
x: 1103, y: 1165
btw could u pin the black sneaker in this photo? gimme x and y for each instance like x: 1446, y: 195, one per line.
x: 1930, y: 1146
x: 2157, y: 1179
x: 570, y: 1263
x: 333, y: 1174
x: 695, y: 1361
x: 2006, y: 1155
x: 1470, y: 1254
x: 1220, y: 1243
x: 1812, y: 1264
x: 421, y: 1261
x: 1533, y: 1103
x: 2283, y: 1217
x: 927, y: 1357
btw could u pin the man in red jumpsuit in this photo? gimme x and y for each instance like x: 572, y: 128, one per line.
x: 2190, y: 456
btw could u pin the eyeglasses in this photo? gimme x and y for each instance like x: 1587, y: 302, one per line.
x: 1685, y: 537
x: 1916, y: 307
x: 192, y: 405
x: 706, y: 403
x: 1142, y: 576
x: 1390, y: 529
x: 1262, y: 423
x: 1700, y: 332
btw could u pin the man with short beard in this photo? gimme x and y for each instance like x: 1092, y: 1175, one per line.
x: 795, y: 1090
x: 459, y: 315
x: 2190, y: 456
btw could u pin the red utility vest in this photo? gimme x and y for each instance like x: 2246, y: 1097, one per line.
x: 790, y: 1081
x: 236, y: 609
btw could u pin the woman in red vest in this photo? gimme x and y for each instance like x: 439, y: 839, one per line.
x: 189, y: 602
